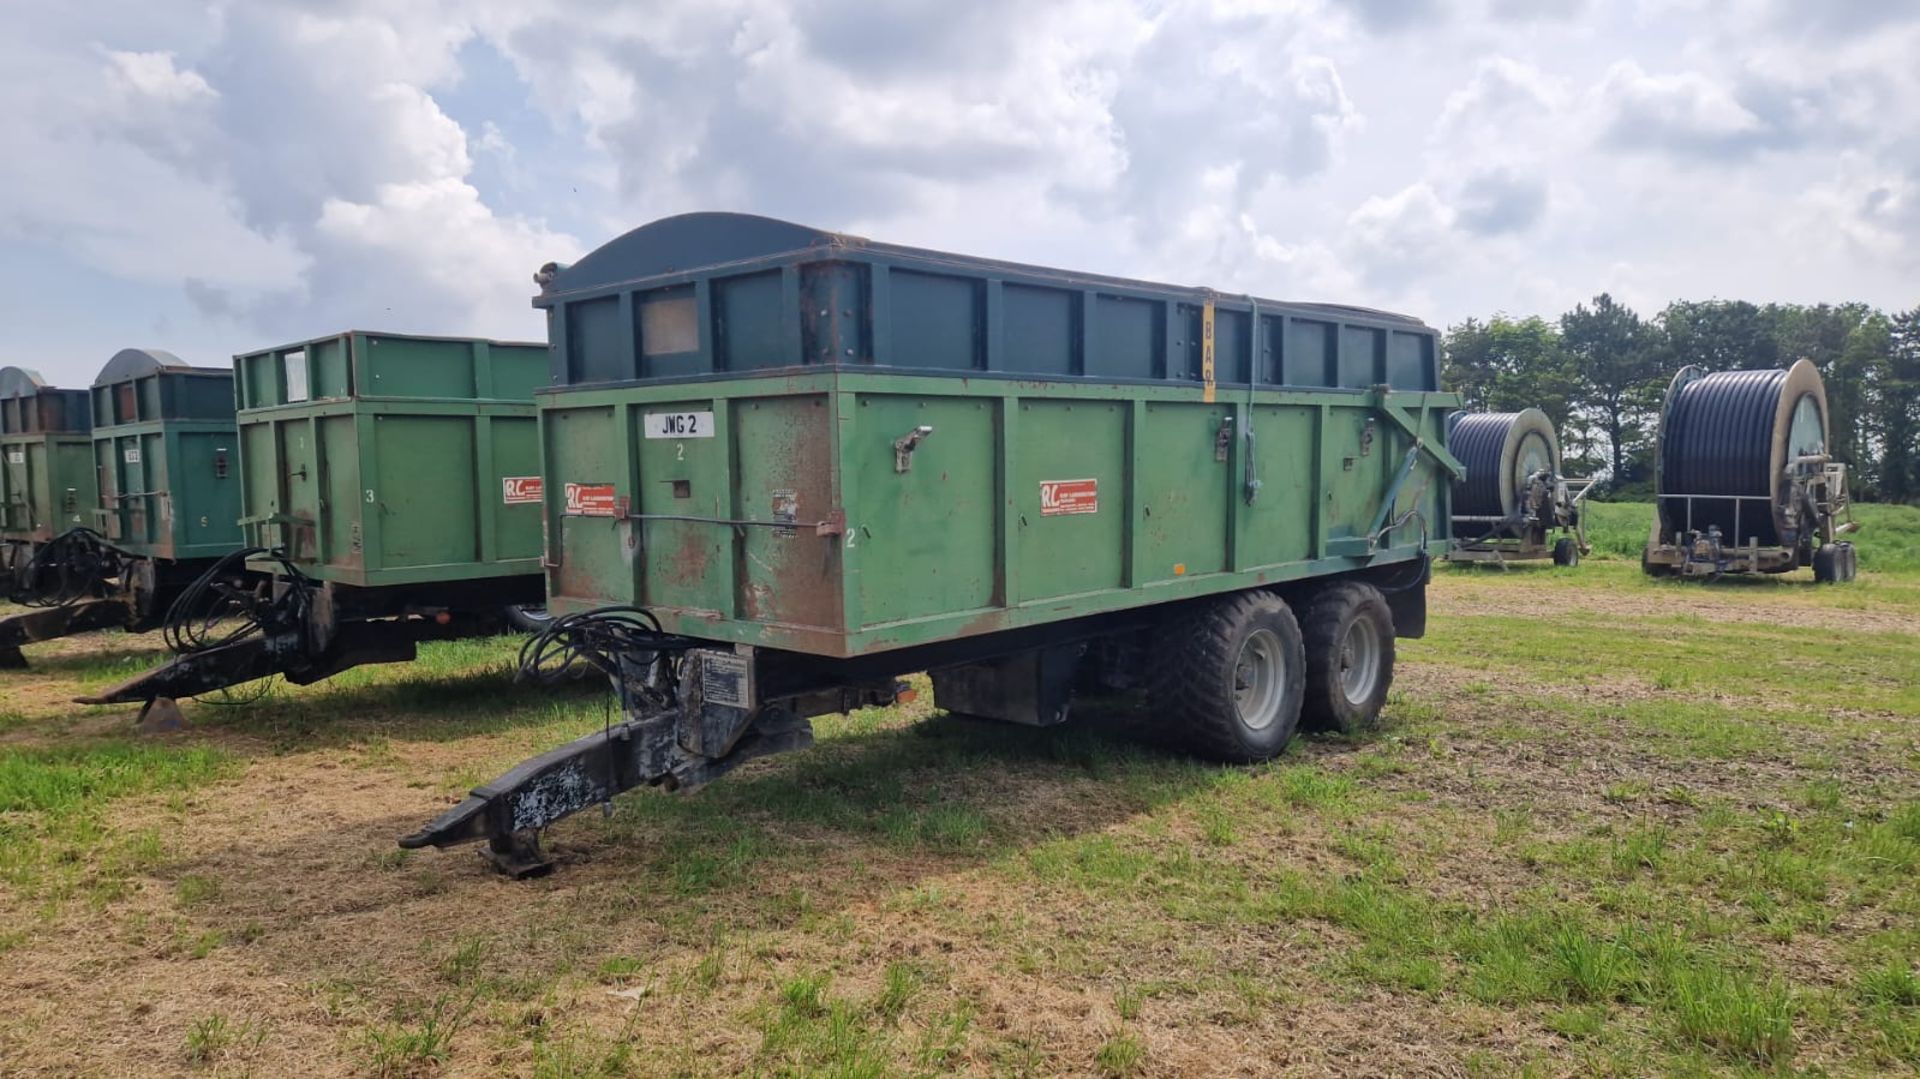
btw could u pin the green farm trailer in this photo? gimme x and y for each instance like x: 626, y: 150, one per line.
x: 164, y: 459
x: 389, y: 494
x: 47, y: 487
x: 783, y: 468
x: 46, y: 471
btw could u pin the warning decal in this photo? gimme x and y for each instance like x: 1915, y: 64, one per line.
x: 519, y: 490
x: 591, y: 500
x: 1061, y: 497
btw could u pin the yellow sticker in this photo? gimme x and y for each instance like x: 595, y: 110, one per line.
x: 1206, y: 350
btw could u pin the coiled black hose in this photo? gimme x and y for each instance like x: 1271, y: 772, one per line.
x: 220, y: 607
x: 1718, y: 440
x: 66, y: 569
x: 597, y: 638
x: 1477, y: 440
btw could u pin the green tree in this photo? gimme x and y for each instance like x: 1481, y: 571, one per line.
x: 1896, y: 412
x: 1617, y: 365
x: 1848, y: 343
x: 1720, y: 335
x: 1506, y: 364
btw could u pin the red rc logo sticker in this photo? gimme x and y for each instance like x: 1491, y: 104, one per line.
x: 520, y: 490
x: 1061, y: 497
x: 590, y: 500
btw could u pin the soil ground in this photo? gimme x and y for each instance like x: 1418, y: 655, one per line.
x: 1607, y: 826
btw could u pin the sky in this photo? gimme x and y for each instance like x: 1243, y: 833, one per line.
x: 212, y: 178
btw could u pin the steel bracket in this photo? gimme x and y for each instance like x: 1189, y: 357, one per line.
x: 904, y: 446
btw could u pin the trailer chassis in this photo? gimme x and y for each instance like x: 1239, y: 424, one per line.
x: 698, y: 709
x: 79, y: 582
x: 307, y: 631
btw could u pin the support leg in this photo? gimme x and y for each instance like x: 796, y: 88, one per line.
x: 518, y: 855
x: 160, y: 715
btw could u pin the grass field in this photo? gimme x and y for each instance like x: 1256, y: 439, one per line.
x: 1610, y: 826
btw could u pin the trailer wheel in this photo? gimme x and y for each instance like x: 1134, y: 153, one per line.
x: 1653, y: 569
x: 528, y: 618
x: 1566, y: 552
x: 1231, y: 689
x: 1349, y: 642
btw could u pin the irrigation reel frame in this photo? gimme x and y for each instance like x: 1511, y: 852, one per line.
x: 1552, y: 503
x: 1514, y: 498
x: 1810, y: 497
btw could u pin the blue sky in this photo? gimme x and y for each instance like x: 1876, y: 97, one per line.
x: 217, y: 177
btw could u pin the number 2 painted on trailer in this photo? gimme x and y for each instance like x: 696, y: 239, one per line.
x: 679, y: 451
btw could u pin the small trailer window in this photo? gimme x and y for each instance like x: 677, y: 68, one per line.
x: 294, y: 364
x: 669, y: 324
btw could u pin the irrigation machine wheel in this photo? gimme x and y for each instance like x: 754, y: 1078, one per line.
x: 1835, y: 563
x: 1566, y: 552
x: 1826, y: 564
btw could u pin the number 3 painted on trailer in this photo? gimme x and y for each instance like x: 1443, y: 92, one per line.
x: 369, y: 494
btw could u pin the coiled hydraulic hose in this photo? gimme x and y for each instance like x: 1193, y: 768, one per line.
x: 66, y: 569
x: 598, y: 639
x: 219, y: 608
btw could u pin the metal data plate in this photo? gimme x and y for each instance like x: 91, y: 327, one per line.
x: 726, y: 678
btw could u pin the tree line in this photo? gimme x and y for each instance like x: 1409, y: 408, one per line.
x: 1601, y: 370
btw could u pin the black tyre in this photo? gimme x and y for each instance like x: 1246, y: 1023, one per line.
x: 1231, y: 689
x: 1348, y: 631
x: 1566, y: 552
x: 528, y: 619
x: 1826, y: 564
x: 1652, y: 568
x: 1836, y: 563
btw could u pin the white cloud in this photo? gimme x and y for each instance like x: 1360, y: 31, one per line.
x: 154, y: 75
x: 279, y: 167
x: 1876, y: 212
x: 1497, y: 201
x: 468, y: 270
x: 1501, y: 93
x: 1686, y: 113
x: 1536, y: 10
x: 296, y: 176
x: 1403, y: 236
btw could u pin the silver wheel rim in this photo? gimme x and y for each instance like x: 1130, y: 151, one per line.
x: 1259, y: 679
x: 1360, y: 661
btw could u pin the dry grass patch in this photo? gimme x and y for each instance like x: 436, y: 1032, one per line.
x: 1527, y: 868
